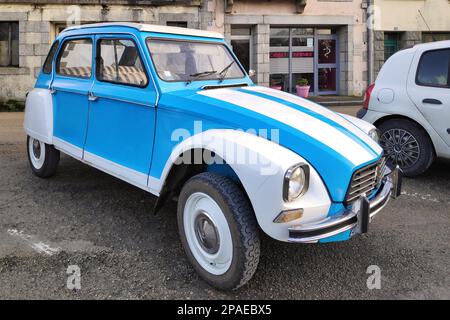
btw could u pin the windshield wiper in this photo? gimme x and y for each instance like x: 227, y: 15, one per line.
x: 197, y: 75
x: 224, y: 72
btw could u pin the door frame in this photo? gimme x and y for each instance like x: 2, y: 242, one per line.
x: 318, y: 65
x: 250, y: 51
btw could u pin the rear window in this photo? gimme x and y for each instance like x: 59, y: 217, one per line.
x: 48, y: 61
x: 434, y: 69
x: 75, y: 59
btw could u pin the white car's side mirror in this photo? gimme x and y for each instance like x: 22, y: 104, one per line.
x: 251, y: 73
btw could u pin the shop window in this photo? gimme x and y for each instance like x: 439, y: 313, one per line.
x: 391, y: 44
x: 435, y: 36
x: 9, y: 44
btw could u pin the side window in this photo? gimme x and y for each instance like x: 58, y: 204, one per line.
x: 434, y: 69
x: 118, y: 61
x: 48, y: 61
x: 75, y: 59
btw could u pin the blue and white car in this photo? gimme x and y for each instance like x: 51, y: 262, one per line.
x: 172, y: 111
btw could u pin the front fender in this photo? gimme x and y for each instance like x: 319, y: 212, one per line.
x: 39, y: 115
x: 260, y: 165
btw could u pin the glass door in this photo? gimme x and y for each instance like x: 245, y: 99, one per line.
x: 326, y: 70
x: 241, y: 42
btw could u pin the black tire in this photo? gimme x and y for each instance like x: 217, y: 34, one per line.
x: 419, y: 141
x: 50, y: 161
x: 242, y: 224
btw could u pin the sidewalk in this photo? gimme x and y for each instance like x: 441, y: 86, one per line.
x: 334, y: 100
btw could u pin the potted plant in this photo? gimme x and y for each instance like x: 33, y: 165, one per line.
x: 275, y: 85
x: 303, y: 87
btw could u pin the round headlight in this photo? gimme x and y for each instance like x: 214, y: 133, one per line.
x: 296, y: 182
x: 375, y: 135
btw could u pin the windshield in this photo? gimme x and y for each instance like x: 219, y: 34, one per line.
x: 176, y: 60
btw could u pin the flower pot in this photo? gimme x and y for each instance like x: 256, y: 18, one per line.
x: 277, y: 87
x: 303, y: 91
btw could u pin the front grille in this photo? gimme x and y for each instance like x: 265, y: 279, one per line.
x: 365, y: 180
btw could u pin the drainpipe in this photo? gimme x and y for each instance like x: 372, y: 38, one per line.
x: 370, y: 41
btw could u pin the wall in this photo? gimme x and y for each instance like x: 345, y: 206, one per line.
x: 403, y: 15
x: 347, y: 14
x: 37, y: 30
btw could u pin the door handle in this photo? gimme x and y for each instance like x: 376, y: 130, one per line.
x: 432, y: 101
x: 92, y: 97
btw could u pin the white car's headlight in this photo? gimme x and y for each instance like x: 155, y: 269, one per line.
x: 296, y: 182
x: 375, y: 135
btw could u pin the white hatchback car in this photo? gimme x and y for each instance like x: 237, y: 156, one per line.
x: 410, y: 104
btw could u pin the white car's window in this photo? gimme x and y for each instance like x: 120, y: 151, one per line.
x: 75, y: 59
x: 434, y: 69
x: 119, y: 61
x: 177, y: 60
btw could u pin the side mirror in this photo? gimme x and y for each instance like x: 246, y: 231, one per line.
x: 251, y: 73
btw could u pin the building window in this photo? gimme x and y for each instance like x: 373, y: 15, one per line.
x: 435, y: 36
x: 9, y: 44
x: 391, y: 44
x: 180, y: 24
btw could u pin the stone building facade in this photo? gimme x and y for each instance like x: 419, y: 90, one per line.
x: 36, y: 23
x: 286, y: 41
x: 401, y: 24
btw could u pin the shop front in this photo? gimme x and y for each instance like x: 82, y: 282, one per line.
x: 304, y: 57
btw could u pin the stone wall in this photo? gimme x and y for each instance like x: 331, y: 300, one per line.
x: 38, y: 23
x: 408, y: 39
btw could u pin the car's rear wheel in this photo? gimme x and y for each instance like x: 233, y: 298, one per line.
x: 407, y: 145
x: 43, y: 158
x: 218, y: 230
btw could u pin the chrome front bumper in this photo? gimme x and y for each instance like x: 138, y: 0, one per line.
x: 356, y: 219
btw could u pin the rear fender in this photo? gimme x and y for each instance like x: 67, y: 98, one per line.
x: 39, y: 115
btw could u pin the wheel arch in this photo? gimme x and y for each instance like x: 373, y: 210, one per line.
x: 179, y: 173
x: 402, y: 117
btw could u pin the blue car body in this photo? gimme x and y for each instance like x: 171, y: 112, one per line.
x: 128, y: 131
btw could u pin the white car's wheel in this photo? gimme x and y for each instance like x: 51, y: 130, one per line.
x: 218, y: 230
x: 43, y: 158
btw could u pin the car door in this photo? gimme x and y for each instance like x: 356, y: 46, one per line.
x: 70, y: 87
x: 429, y: 88
x: 121, y: 111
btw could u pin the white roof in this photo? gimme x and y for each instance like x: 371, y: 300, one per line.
x: 151, y: 28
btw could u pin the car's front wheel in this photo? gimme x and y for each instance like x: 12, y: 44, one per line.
x: 43, y: 158
x: 218, y: 230
x: 406, y: 144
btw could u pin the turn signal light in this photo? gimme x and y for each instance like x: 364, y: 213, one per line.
x: 289, y: 215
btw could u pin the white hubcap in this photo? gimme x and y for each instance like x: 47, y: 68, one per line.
x: 208, y: 234
x: 37, y: 153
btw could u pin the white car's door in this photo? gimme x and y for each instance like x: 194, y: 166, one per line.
x: 429, y: 87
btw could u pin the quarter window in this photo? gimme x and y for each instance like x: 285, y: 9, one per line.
x: 9, y: 44
x: 75, y: 59
x: 434, y: 69
x: 118, y: 61
x: 48, y: 61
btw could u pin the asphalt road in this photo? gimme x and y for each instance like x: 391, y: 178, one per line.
x: 104, y: 226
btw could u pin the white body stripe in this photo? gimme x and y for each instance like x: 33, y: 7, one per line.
x: 315, y: 128
x: 319, y: 110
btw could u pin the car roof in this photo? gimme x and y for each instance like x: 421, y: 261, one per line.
x: 150, y: 28
x: 434, y: 45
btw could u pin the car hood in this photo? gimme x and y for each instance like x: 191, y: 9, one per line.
x: 332, y: 144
